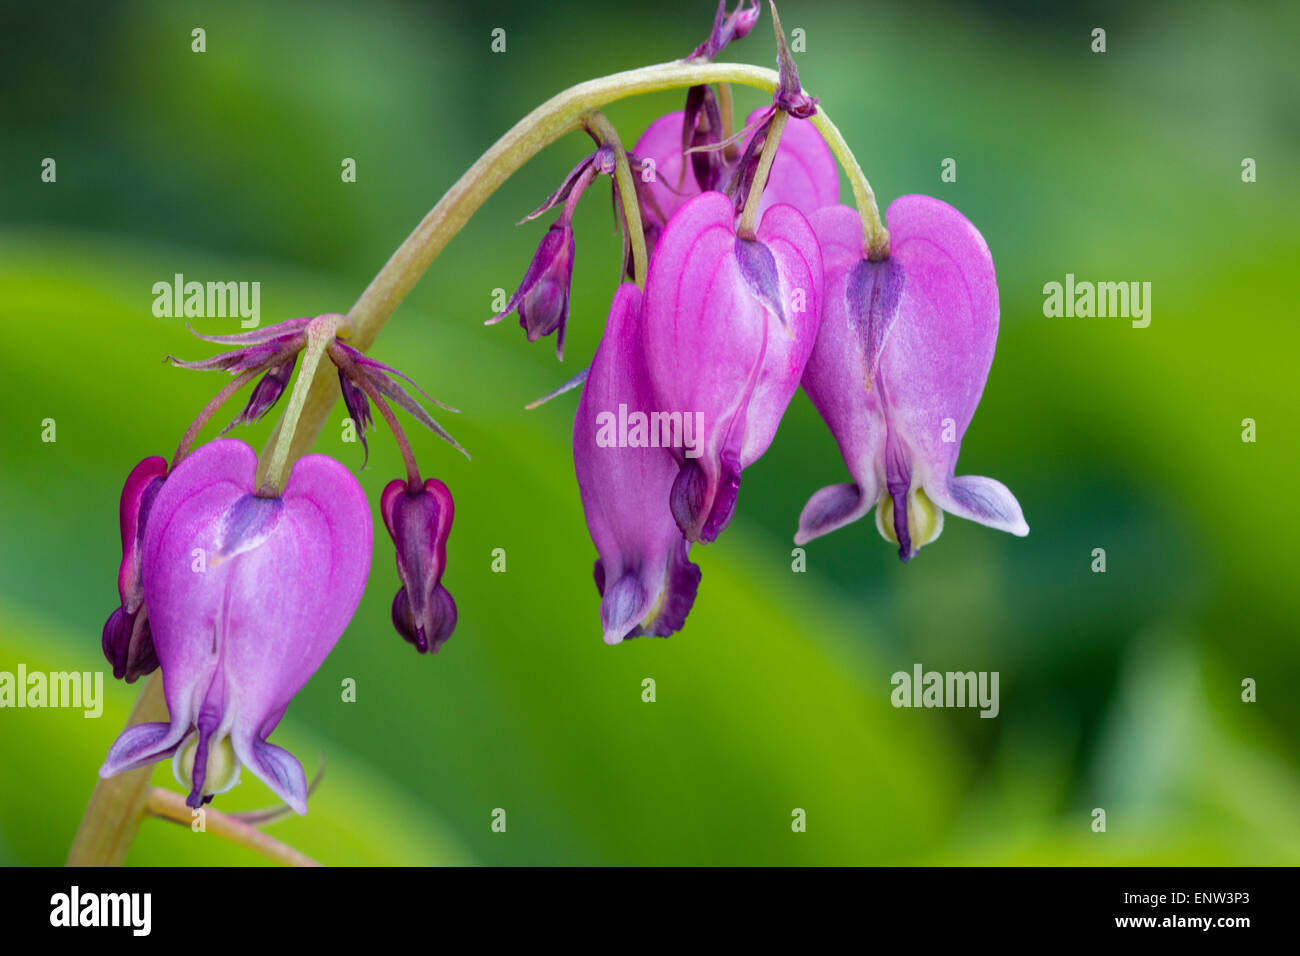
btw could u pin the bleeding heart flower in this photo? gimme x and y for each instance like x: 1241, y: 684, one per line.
x: 246, y: 597
x: 728, y: 325
x: 900, y: 363
x: 646, y: 582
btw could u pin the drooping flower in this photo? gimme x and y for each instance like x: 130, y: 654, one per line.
x: 900, y: 364
x: 419, y: 522
x: 728, y: 325
x: 246, y: 596
x: 127, y: 641
x: 646, y: 581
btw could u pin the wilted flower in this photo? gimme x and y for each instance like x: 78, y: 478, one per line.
x: 728, y: 325
x: 419, y: 522
x: 727, y: 27
x: 900, y: 363
x: 246, y: 596
x: 647, y: 583
x: 542, y: 299
x: 361, y: 376
x: 257, y: 349
x: 127, y: 641
x: 266, y: 392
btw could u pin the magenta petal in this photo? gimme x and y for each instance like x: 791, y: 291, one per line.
x: 647, y: 584
x: 838, y: 381
x: 900, y: 363
x: 246, y: 597
x: 728, y: 327
x: 937, y: 357
x: 661, y: 143
x: 804, y: 173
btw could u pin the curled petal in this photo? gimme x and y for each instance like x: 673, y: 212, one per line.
x: 278, y: 333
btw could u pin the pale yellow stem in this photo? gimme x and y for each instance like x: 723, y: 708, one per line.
x: 748, y: 227
x: 117, y: 805
x: 170, y: 805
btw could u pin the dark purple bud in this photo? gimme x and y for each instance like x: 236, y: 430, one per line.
x: 701, y: 132
x: 127, y: 642
x: 358, y: 406
x: 542, y: 299
x: 419, y: 522
x: 265, y: 393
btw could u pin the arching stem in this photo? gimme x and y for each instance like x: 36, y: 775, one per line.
x: 561, y: 114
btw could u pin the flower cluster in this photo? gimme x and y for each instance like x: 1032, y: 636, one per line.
x: 238, y: 589
x: 237, y: 580
x: 893, y: 345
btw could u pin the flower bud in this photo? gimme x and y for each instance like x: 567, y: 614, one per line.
x: 419, y: 522
x: 542, y: 299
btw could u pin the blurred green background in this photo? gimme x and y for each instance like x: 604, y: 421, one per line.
x: 1119, y: 690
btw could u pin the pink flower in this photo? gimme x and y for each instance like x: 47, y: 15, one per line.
x: 900, y: 363
x: 246, y: 597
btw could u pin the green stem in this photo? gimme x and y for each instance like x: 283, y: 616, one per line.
x: 748, y: 226
x: 561, y: 114
x: 608, y: 135
x: 118, y: 804
x: 727, y: 107
x: 877, y: 236
x: 274, y: 467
